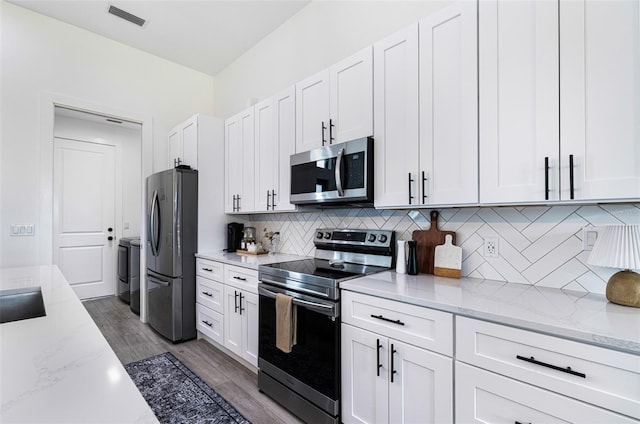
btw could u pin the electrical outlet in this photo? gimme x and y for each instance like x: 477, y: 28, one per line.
x: 491, y: 247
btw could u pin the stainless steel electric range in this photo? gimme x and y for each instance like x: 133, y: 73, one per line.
x: 307, y: 380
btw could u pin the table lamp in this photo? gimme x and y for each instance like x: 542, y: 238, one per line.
x: 618, y: 246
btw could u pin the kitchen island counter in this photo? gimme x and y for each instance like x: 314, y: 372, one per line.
x: 60, y: 368
x: 584, y: 317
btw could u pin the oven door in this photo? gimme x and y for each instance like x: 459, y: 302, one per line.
x: 339, y: 173
x: 312, y: 368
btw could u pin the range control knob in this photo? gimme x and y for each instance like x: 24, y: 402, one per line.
x: 327, y: 235
x: 372, y: 238
x: 382, y: 238
x: 319, y: 235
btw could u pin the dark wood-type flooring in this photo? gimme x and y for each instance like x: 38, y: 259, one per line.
x: 133, y: 340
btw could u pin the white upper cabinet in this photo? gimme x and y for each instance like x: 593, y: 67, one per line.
x: 336, y: 105
x: 518, y: 84
x: 240, y: 160
x: 559, y: 100
x: 396, y: 117
x: 274, y: 143
x: 426, y: 139
x: 449, y: 107
x: 183, y: 144
x: 600, y: 99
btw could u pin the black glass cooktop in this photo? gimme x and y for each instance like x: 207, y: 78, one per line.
x: 322, y: 268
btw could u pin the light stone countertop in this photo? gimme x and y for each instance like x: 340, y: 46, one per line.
x: 60, y: 368
x: 248, y: 261
x: 583, y: 317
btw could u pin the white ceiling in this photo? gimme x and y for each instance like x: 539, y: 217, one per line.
x: 205, y: 35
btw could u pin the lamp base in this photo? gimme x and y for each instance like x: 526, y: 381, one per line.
x: 623, y: 288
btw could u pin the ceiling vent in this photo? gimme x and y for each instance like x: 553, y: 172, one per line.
x: 126, y: 16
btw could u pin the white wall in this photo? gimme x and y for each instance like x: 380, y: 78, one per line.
x: 318, y: 36
x: 40, y: 55
x: 128, y: 145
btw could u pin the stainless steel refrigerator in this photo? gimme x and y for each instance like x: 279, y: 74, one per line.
x: 172, y: 219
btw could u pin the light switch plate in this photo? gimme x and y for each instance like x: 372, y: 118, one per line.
x: 589, y: 237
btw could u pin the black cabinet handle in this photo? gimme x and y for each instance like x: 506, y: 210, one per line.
x: 393, y: 371
x: 273, y: 200
x: 331, y: 138
x: 518, y: 422
x: 239, y: 278
x: 546, y: 178
x: 238, y: 201
x: 571, y: 187
x: 397, y: 321
x: 410, y: 181
x: 424, y: 194
x: 207, y: 323
x: 268, y: 198
x: 378, y: 347
x: 241, y: 307
x: 207, y: 294
x: 234, y: 202
x: 207, y: 269
x: 568, y: 370
x: 235, y: 301
x: 323, y: 128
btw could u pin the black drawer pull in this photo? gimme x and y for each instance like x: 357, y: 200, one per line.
x: 518, y: 422
x: 568, y: 370
x: 378, y: 346
x: 396, y: 321
x: 239, y: 278
x: 207, y: 294
x: 207, y: 323
x: 207, y: 269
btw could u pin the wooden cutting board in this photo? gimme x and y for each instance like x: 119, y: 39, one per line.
x: 447, y: 261
x: 427, y: 240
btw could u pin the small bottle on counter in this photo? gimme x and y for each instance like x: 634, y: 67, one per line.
x: 401, y: 258
x: 412, y: 264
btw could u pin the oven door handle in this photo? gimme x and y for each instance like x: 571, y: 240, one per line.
x: 300, y: 302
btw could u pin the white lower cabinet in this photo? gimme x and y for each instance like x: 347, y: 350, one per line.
x: 385, y: 379
x: 485, y: 397
x: 241, y: 313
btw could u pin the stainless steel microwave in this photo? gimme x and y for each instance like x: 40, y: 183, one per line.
x: 335, y: 174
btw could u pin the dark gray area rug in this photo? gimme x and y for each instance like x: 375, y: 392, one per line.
x: 176, y: 395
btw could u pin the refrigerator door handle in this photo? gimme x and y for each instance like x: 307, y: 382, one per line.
x: 153, y: 224
x: 158, y: 281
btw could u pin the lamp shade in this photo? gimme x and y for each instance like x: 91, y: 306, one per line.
x: 617, y: 246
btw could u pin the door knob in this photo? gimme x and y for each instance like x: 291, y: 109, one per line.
x: 110, y: 229
x: 109, y: 238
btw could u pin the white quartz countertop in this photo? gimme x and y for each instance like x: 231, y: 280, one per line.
x: 248, y: 261
x: 584, y: 317
x: 60, y: 368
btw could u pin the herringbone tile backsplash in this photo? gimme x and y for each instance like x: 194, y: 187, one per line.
x: 539, y: 245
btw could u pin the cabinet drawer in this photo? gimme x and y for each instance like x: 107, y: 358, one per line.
x: 485, y: 397
x: 209, y: 269
x: 242, y: 278
x: 210, y: 294
x: 210, y: 323
x: 597, y: 375
x: 422, y: 327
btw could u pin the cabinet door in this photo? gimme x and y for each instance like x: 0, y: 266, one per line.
x: 246, y: 170
x: 249, y: 307
x: 266, y: 144
x: 175, y: 146
x: 485, y: 397
x: 232, y: 320
x: 518, y: 92
x: 312, y: 112
x: 232, y: 162
x: 190, y: 142
x: 285, y: 108
x: 422, y: 386
x: 600, y: 99
x: 365, y: 371
x: 351, y: 97
x: 396, y: 116
x: 449, y: 106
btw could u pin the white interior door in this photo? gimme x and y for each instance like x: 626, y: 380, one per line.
x: 83, y: 213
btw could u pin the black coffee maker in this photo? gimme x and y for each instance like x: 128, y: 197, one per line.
x: 234, y: 236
